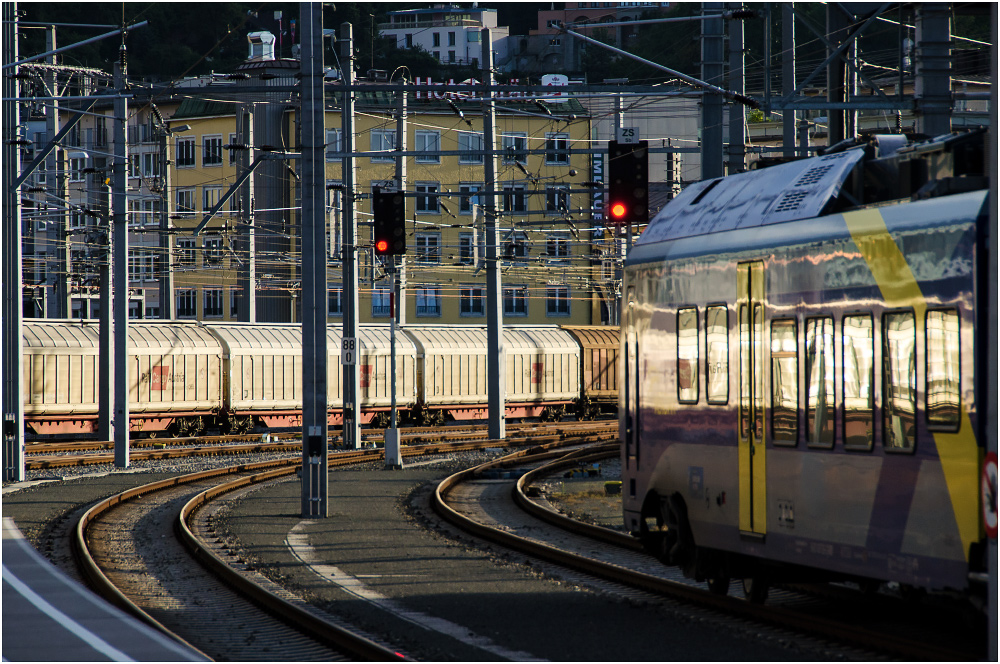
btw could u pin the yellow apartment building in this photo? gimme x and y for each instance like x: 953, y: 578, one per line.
x: 543, y: 203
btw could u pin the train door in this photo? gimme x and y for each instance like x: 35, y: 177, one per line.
x: 750, y: 323
x: 630, y: 384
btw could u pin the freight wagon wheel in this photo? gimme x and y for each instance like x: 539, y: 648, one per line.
x: 755, y: 589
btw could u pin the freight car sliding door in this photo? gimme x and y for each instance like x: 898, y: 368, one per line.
x: 750, y: 321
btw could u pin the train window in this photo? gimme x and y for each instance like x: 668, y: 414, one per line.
x: 943, y: 369
x: 687, y: 355
x: 859, y: 403
x: 820, y: 406
x: 899, y: 339
x: 717, y: 354
x: 784, y: 382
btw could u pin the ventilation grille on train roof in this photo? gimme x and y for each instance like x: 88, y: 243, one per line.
x: 796, y: 190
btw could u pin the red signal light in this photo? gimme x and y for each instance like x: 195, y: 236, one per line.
x: 382, y: 246
x: 617, y: 210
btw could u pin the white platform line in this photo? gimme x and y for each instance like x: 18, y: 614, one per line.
x: 298, y: 543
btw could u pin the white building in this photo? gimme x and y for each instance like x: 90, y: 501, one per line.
x: 451, y: 34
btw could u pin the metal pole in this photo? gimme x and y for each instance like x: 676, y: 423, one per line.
x: 836, y: 29
x: 711, y: 104
x: 58, y: 238
x: 168, y: 308
x: 737, y: 112
x: 400, y: 287
x: 496, y: 359
x: 106, y: 333
x: 932, y: 67
x: 10, y: 276
x: 247, y: 249
x: 788, y: 75
x: 313, y: 246
x: 119, y: 268
x: 352, y: 382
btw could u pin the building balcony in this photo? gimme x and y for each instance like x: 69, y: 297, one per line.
x: 441, y: 23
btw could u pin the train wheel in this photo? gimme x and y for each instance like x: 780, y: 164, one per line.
x: 719, y: 584
x: 755, y: 589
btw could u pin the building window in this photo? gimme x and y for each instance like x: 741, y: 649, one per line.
x: 429, y: 145
x: 150, y: 164
x: 784, y: 382
x: 77, y: 162
x: 380, y: 302
x: 185, y: 201
x: 470, y: 147
x: 333, y: 144
x: 232, y: 152
x: 859, y: 403
x: 135, y: 310
x: 212, y: 151
x: 336, y: 301
x: 515, y: 147
x: 383, y: 140
x: 820, y: 401
x: 409, y: 40
x: 466, y: 248
x: 557, y: 301
x: 557, y: 246
x: 140, y: 265
x: 429, y: 301
x: 213, y: 250
x: 556, y: 148
x: 427, y: 200
x: 451, y: 39
x: 428, y: 247
x: 210, y: 198
x: 186, y: 303
x: 451, y: 57
x: 515, y: 249
x: 185, y: 152
x: 514, y: 198
x: 77, y: 219
x: 212, y: 299
x: 515, y: 300
x: 235, y: 302
x: 556, y: 200
x: 436, y: 39
x: 467, y: 200
x: 185, y: 250
x: 472, y: 300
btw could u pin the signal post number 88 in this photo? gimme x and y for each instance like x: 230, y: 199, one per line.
x: 349, y: 351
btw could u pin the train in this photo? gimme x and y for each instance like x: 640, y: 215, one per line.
x: 187, y: 378
x: 804, y: 389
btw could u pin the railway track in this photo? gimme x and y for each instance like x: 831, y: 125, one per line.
x: 147, y: 551
x: 878, y: 626
x: 48, y: 455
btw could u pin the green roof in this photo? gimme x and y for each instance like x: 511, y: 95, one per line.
x: 201, y: 108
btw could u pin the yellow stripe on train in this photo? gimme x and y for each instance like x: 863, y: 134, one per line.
x: 958, y: 452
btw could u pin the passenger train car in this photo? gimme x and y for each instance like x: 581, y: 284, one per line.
x: 803, y: 385
x: 189, y: 377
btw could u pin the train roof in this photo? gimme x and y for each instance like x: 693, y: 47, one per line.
x: 802, y: 199
x: 791, y: 191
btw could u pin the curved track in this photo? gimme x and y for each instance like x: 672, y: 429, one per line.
x: 616, y: 557
x: 139, y: 547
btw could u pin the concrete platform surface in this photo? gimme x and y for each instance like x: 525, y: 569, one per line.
x: 48, y: 617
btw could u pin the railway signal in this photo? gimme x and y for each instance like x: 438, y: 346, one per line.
x: 389, y: 208
x: 628, y: 182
